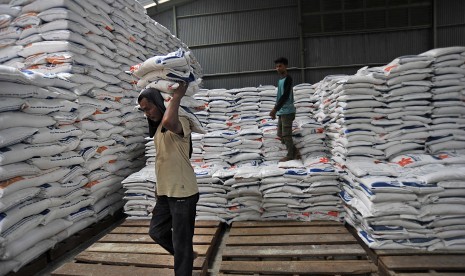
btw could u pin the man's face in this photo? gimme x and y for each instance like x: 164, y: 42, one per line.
x: 150, y: 110
x: 281, y: 68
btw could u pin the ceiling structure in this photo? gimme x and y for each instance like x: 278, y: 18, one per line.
x: 151, y: 3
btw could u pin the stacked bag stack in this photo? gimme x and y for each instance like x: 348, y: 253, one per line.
x: 236, y: 160
x: 139, y: 187
x: 397, y: 133
x: 446, y: 129
x: 69, y: 129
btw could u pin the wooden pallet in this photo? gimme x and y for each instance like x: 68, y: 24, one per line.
x: 422, y: 265
x: 376, y: 254
x: 129, y: 250
x: 84, y: 235
x: 293, y: 248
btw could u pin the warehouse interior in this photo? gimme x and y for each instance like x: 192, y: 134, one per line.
x: 376, y: 185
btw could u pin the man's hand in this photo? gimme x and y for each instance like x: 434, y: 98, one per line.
x: 273, y: 114
x: 181, y: 90
x: 170, y: 119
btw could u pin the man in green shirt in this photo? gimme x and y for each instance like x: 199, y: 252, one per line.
x: 285, y: 110
x: 173, y: 219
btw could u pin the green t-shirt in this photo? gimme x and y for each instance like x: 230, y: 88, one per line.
x: 288, y: 107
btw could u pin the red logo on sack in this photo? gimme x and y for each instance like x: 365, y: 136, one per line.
x: 389, y: 68
x: 324, y: 160
x: 405, y: 161
x: 443, y: 156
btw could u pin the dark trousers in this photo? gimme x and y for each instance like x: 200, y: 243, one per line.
x: 172, y: 227
x: 285, y: 133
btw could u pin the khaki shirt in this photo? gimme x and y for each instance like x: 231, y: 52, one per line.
x: 175, y: 175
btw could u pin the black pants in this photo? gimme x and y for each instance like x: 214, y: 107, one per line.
x: 172, y: 227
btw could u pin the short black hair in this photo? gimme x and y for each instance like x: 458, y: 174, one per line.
x: 282, y: 60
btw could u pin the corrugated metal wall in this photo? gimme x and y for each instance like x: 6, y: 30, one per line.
x: 345, y: 54
x: 237, y: 41
x: 451, y: 22
x: 364, y: 48
x: 238, y: 27
x: 166, y: 19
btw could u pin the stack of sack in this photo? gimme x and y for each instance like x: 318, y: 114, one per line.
x: 272, y: 149
x: 304, y: 193
x: 139, y: 193
x: 239, y: 153
x: 202, y: 115
x: 11, y: 24
x: 403, y: 166
x: 49, y: 191
x: 348, y: 106
x: 304, y: 100
x: 277, y: 192
x: 139, y: 187
x: 310, y: 139
x: 197, y: 158
x: 150, y: 151
x: 445, y: 209
x: 213, y: 201
x: 248, y: 156
x: 221, y: 105
x: 246, y: 141
x: 267, y: 95
x: 245, y: 146
x: 35, y: 199
x: 214, y: 147
x: 380, y: 112
x: 166, y: 73
x: 382, y: 209
x: 69, y: 130
x: 415, y: 201
x: 407, y: 97
x: 323, y: 92
x: 231, y: 113
x: 245, y: 112
x: 448, y: 92
x: 244, y: 196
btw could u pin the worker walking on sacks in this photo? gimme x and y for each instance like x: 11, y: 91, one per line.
x: 285, y: 110
x: 173, y: 217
